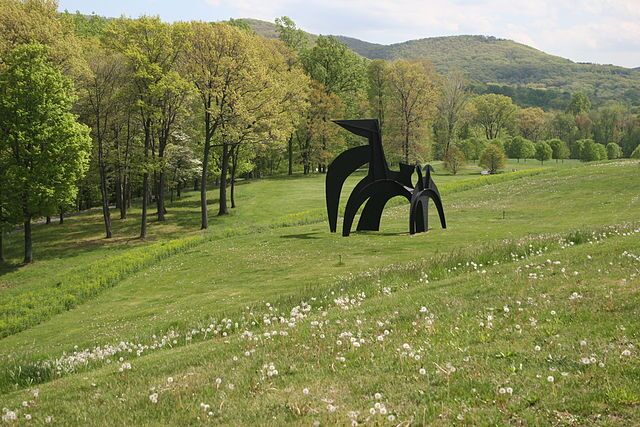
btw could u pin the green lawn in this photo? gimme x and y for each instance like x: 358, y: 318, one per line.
x: 232, y: 271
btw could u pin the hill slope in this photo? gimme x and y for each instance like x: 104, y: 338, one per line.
x: 490, y: 60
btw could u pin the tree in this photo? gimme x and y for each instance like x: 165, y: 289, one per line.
x: 528, y: 150
x: 589, y: 151
x: 378, y: 89
x: 559, y: 148
x: 472, y: 147
x: 340, y: 71
x: 332, y: 63
x: 608, y: 121
x: 314, y: 130
x: 602, y: 151
x: 543, y: 151
x: 493, y: 158
x: 291, y: 35
x: 451, y: 105
x: 532, y: 123
x: 152, y: 49
x: 454, y: 159
x: 613, y: 151
x: 563, y: 126
x: 296, y: 40
x: 579, y: 104
x: 100, y: 86
x: 413, y: 97
x: 49, y: 148
x: 514, y: 148
x: 494, y: 113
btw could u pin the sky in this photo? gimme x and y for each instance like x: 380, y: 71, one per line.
x: 600, y: 31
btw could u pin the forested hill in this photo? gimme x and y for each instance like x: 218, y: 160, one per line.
x: 530, y: 76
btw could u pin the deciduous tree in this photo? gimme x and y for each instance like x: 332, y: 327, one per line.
x: 48, y: 148
x: 494, y: 113
x: 413, y: 101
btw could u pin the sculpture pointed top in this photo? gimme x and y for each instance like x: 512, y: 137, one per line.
x: 362, y: 127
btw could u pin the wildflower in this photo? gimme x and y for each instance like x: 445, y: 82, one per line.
x: 9, y: 416
x: 422, y: 371
x: 153, y: 397
x: 536, y: 348
x: 27, y: 417
x: 377, y: 396
x: 170, y: 380
x: 305, y: 391
x: 391, y: 418
x: 626, y: 352
x: 550, y: 378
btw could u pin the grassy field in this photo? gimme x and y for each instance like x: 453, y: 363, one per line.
x: 523, y: 311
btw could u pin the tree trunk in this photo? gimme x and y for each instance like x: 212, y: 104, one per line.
x: 223, y: 210
x: 203, y: 181
x: 290, y: 152
x: 145, y: 180
x: 28, y: 250
x: 118, y: 190
x: 105, y: 195
x: 123, y: 197
x: 48, y: 220
x: 234, y: 167
x: 160, y: 195
x: 1, y: 243
x: 61, y: 216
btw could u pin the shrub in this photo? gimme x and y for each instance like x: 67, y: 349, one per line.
x: 493, y: 158
x: 559, y: 148
x: 613, y: 151
x: 589, y: 151
x: 636, y: 153
x: 543, y: 151
x: 454, y: 159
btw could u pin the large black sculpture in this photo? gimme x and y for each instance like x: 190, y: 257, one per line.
x: 380, y: 184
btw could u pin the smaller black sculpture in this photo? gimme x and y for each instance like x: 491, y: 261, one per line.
x: 379, y: 186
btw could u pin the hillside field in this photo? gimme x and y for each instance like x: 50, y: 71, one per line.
x: 523, y: 311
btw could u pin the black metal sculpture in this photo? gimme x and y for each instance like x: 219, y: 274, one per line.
x: 379, y: 185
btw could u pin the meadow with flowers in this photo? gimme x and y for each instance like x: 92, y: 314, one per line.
x: 524, y: 311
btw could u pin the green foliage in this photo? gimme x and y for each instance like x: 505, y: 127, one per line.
x: 331, y: 63
x: 636, y: 153
x: 543, y: 151
x: 49, y: 148
x: 494, y: 113
x: 589, y: 150
x: 493, y: 158
x: 472, y: 147
x: 560, y: 149
x: 454, y: 159
x: 579, y: 104
x: 613, y: 151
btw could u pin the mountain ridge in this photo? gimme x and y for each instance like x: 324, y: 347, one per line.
x: 498, y: 65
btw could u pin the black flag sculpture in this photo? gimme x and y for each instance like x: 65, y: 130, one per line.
x: 379, y: 185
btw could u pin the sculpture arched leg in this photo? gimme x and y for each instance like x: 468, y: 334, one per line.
x: 425, y: 195
x: 418, y: 220
x: 372, y: 213
x: 339, y: 170
x: 356, y: 199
